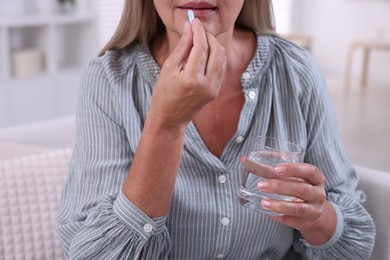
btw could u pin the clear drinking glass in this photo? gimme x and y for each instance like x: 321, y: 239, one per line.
x: 262, y: 155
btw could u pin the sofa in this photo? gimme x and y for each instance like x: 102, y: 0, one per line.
x: 34, y: 160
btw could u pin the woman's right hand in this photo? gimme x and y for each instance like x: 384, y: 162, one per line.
x: 190, y: 78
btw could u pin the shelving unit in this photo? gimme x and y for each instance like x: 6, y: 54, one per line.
x: 66, y: 42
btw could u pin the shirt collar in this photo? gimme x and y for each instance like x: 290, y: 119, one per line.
x: 256, y: 68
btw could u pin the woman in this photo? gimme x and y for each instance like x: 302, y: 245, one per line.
x: 163, y: 117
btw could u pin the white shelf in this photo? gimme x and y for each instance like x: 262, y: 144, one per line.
x: 67, y: 42
x: 32, y: 21
x: 64, y: 40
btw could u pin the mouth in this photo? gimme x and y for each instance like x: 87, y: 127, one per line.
x: 199, y: 8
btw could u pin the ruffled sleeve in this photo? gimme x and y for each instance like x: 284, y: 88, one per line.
x: 95, y: 220
x: 355, y: 233
x: 116, y: 229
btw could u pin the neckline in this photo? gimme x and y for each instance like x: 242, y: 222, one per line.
x: 150, y: 70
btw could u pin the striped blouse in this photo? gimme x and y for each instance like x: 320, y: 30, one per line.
x: 285, y: 96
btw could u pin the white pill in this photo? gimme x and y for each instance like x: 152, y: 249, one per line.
x: 190, y: 16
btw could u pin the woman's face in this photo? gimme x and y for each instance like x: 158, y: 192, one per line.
x: 217, y: 16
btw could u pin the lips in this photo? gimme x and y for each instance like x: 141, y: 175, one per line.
x: 198, y: 5
x: 199, y: 8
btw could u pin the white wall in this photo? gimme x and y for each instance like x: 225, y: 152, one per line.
x: 40, y: 7
x: 109, y: 13
x: 335, y: 24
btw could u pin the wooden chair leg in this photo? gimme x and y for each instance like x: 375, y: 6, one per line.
x: 364, y: 76
x: 347, y: 76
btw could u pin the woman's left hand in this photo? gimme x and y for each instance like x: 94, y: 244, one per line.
x: 311, y: 213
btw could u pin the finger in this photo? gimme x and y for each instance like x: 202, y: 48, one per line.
x: 260, y: 169
x: 294, y: 209
x: 307, y: 172
x: 216, y: 65
x: 180, y: 54
x: 200, y: 51
x: 291, y: 221
x: 265, y: 169
x: 302, y: 190
x: 243, y: 159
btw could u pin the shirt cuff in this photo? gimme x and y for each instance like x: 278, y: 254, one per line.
x: 337, y: 233
x: 135, y: 219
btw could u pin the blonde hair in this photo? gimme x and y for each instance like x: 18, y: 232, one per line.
x: 141, y: 23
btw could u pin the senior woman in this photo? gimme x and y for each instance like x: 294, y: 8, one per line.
x: 163, y: 117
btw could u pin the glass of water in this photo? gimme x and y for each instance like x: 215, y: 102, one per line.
x: 263, y: 154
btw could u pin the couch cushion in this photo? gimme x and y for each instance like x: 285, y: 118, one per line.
x: 11, y: 150
x: 376, y: 185
x: 30, y: 191
x: 56, y: 133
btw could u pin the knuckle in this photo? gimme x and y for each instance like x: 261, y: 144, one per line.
x: 214, y: 94
x: 222, y: 52
x: 313, y: 172
x: 204, y: 48
x: 273, y: 185
x: 198, y: 79
x: 317, y: 214
x: 316, y: 174
x: 322, y: 197
x: 193, y: 80
x: 223, y: 59
x: 187, y: 82
x: 303, y: 188
x: 322, y: 178
x: 300, y: 210
x: 211, y: 95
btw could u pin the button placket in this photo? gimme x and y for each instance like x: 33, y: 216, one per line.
x: 239, y: 139
x: 225, y: 221
x: 222, y: 179
x: 251, y: 95
x: 246, y: 75
x: 148, y: 228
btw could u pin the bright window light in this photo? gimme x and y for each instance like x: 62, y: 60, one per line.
x: 109, y: 13
x: 282, y: 10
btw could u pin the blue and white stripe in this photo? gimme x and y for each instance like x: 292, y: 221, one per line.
x: 96, y: 221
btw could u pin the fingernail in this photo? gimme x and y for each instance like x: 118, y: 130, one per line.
x: 262, y: 184
x: 265, y: 203
x: 280, y: 169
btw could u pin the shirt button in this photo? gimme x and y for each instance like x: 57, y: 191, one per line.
x: 148, y: 228
x: 220, y: 256
x: 246, y: 75
x: 240, y: 139
x: 222, y: 178
x: 251, y: 95
x: 225, y: 221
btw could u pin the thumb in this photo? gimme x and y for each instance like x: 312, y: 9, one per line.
x: 180, y: 54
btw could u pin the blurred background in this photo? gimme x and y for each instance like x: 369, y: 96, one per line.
x: 45, y: 44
